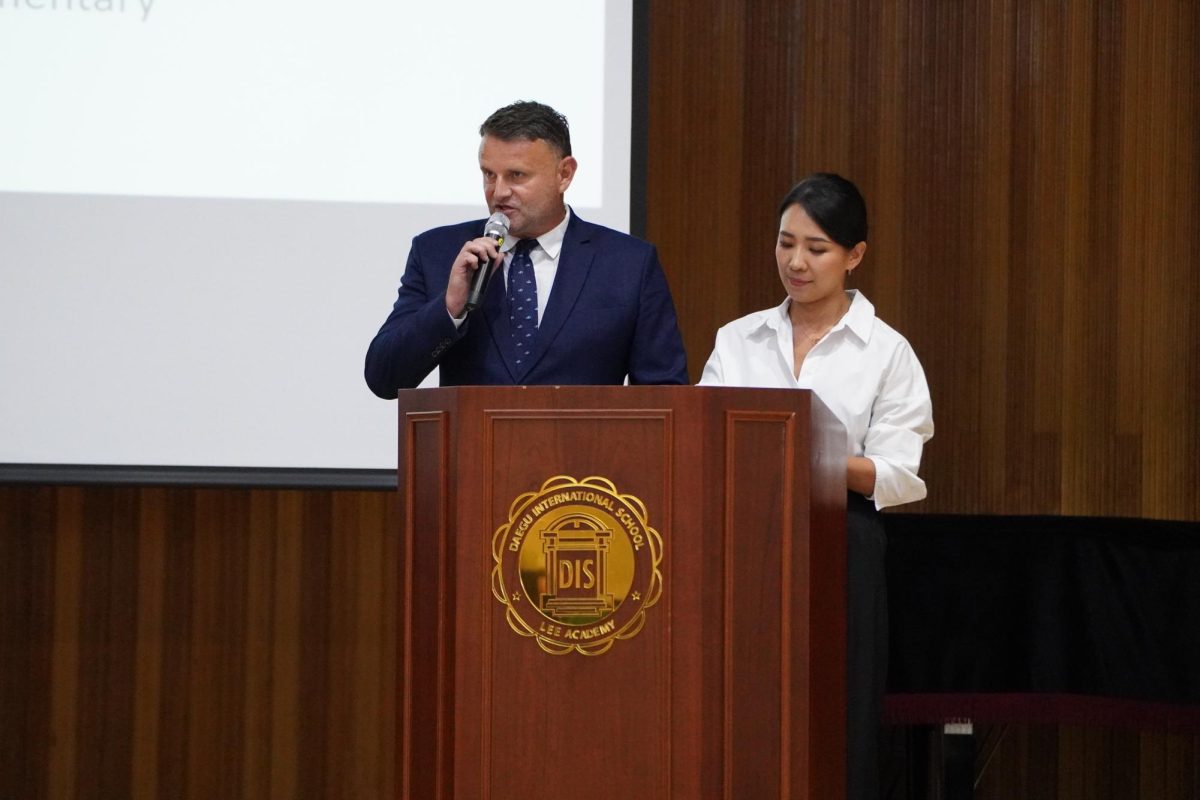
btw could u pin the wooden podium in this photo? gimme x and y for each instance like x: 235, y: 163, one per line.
x: 620, y: 592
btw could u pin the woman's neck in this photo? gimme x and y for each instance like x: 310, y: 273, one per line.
x: 813, y: 321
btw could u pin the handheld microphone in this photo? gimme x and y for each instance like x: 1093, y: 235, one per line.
x: 497, y: 229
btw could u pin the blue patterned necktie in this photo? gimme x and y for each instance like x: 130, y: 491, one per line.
x: 522, y: 300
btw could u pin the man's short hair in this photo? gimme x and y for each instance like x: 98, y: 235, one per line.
x: 530, y: 121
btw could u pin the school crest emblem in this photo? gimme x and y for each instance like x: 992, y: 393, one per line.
x: 577, y: 565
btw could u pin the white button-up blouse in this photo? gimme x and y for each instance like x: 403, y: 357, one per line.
x: 863, y: 370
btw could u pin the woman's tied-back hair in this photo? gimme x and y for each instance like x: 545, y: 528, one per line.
x: 832, y: 202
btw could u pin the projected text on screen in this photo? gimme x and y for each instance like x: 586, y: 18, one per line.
x: 298, y: 100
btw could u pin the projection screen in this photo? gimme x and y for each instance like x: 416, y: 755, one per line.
x: 205, y: 207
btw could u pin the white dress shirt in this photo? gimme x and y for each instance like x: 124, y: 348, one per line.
x: 545, y: 260
x: 863, y: 370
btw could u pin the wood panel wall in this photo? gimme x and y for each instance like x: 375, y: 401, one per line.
x: 1033, y: 177
x: 1043, y: 762
x: 1070, y: 762
x: 203, y: 643
x: 179, y: 643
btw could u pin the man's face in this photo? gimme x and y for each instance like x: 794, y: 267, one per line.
x: 525, y: 181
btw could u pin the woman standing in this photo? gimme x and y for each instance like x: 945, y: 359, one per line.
x: 827, y: 339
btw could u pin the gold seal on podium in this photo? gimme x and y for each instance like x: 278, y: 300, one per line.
x: 577, y: 565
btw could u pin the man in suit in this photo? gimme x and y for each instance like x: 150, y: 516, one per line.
x: 595, y: 307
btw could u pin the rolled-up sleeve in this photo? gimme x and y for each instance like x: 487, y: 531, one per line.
x: 901, y: 424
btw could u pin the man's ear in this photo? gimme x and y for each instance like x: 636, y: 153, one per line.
x: 566, y: 173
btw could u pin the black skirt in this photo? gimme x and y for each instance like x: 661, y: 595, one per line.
x: 866, y: 644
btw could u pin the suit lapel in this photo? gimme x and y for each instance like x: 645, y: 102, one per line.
x: 574, y: 264
x: 495, y: 311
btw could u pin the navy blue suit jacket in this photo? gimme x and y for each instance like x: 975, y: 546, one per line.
x: 610, y: 315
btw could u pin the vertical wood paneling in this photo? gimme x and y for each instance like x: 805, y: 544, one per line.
x: 986, y: 421
x: 754, y: 676
x: 1033, y: 176
x: 176, y: 636
x: 1168, y: 356
x: 362, y: 625
x: 214, y: 727
x: 427, y: 657
x: 260, y: 655
x: 68, y: 640
x: 1043, y: 762
x: 768, y: 117
x: 698, y: 136
x: 315, y: 628
x: 197, y: 643
x: 108, y: 605
x: 288, y: 632
x: 148, y: 652
x: 27, y: 602
x: 1083, y: 352
x: 113, y: 599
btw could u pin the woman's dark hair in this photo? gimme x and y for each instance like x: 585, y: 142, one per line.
x: 529, y: 121
x: 832, y: 202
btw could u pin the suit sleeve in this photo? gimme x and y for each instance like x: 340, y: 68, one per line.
x: 416, y: 333
x: 657, y: 355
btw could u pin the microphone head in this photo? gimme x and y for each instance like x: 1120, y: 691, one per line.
x: 497, y: 226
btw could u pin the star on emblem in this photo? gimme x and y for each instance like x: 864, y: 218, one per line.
x: 637, y: 596
x: 516, y: 597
